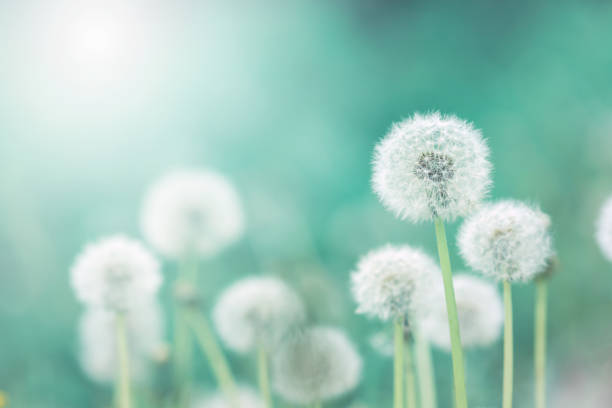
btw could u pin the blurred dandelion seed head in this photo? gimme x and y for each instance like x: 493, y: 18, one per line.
x: 192, y: 212
x: 507, y: 240
x: 480, y: 311
x: 115, y: 273
x: 389, y: 281
x: 257, y: 310
x: 319, y: 364
x: 604, y: 229
x: 246, y: 398
x: 431, y: 165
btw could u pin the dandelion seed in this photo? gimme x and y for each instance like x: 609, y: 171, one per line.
x: 480, y: 311
x: 508, y: 240
x: 431, y: 166
x: 196, y: 212
x: 388, y: 281
x: 257, y: 310
x: 318, y: 365
x: 604, y: 229
x: 115, y: 273
x: 245, y: 398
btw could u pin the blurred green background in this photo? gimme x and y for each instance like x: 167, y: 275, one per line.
x: 98, y: 99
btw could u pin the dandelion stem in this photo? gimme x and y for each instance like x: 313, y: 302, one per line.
x: 398, y: 363
x: 213, y: 353
x: 427, y: 390
x: 262, y: 375
x: 411, y: 401
x: 453, y: 320
x: 317, y: 405
x: 540, y: 342
x: 123, y: 383
x: 508, y: 347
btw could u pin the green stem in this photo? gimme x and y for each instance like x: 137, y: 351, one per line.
x: 427, y: 387
x: 211, y: 349
x: 453, y: 320
x: 262, y: 376
x: 317, y: 404
x: 508, y: 347
x: 398, y: 363
x: 540, y: 342
x: 123, y: 392
x: 411, y: 401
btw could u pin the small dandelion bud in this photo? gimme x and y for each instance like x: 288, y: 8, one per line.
x: 604, y: 229
x: 160, y: 353
x: 431, y: 166
x: 508, y: 240
x: 115, y: 273
x: 318, y: 365
x: 480, y: 311
x: 388, y: 281
x: 97, y: 338
x: 257, y: 311
x: 195, y: 212
x: 382, y: 343
x: 245, y: 396
x: 186, y: 293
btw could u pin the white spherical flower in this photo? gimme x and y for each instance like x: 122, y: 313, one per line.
x: 389, y: 281
x: 319, y: 364
x: 98, y: 348
x: 192, y: 212
x: 480, y: 311
x: 115, y: 273
x: 604, y: 229
x: 431, y: 166
x: 257, y: 310
x: 508, y: 240
x: 245, y: 397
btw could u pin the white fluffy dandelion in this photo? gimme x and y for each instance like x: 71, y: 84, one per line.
x: 431, y: 166
x: 97, y: 340
x: 245, y: 398
x: 388, y: 281
x: 257, y: 311
x: 192, y: 212
x: 604, y: 229
x: 115, y: 273
x: 318, y: 365
x: 508, y: 240
x: 480, y: 311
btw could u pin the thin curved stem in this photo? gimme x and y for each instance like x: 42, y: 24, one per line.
x: 411, y: 400
x: 425, y: 371
x: 263, y: 377
x: 398, y: 363
x: 124, y: 398
x: 540, y: 342
x: 508, y: 347
x: 453, y: 320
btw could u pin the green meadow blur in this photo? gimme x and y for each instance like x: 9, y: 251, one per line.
x: 288, y: 99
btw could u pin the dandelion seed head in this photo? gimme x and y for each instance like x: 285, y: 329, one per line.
x: 389, y: 281
x: 257, y: 310
x: 98, y: 349
x: 508, y: 240
x: 479, y: 308
x: 604, y: 229
x: 245, y: 396
x: 319, y: 364
x: 192, y: 212
x: 431, y: 165
x: 115, y: 273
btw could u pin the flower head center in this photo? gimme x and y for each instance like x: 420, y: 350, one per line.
x: 437, y: 167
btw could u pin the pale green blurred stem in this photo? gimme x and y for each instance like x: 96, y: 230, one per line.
x: 262, y: 375
x: 540, y: 342
x: 453, y: 320
x: 211, y: 349
x: 317, y: 405
x: 425, y: 371
x: 508, y: 347
x: 398, y: 362
x: 124, y: 399
x: 411, y: 400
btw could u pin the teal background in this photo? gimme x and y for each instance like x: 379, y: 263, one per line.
x: 288, y: 99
